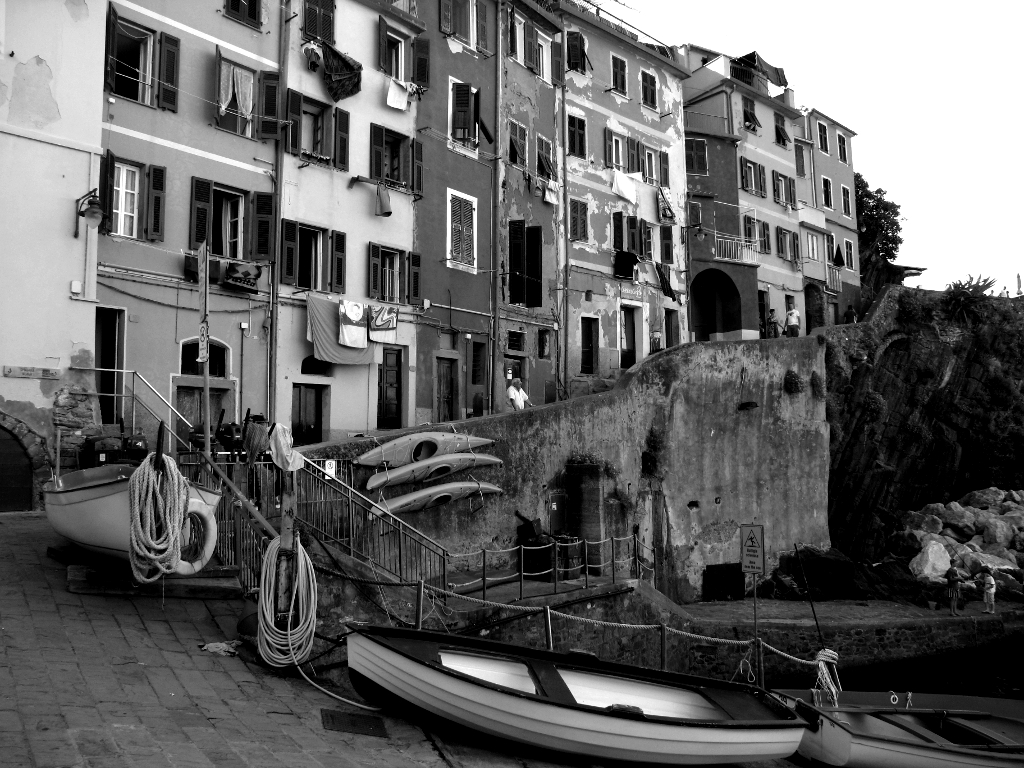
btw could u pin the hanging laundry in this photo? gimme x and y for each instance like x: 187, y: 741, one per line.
x: 397, y: 95
x: 255, y: 441
x: 343, y: 75
x: 551, y: 192
x: 322, y: 328
x: 281, y: 450
x: 384, y: 324
x: 624, y: 186
x: 352, y: 324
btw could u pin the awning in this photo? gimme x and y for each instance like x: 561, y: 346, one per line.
x: 666, y: 212
x: 774, y: 74
x: 323, y: 326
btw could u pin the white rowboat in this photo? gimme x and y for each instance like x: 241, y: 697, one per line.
x: 431, y: 469
x: 572, y: 703
x: 420, y: 446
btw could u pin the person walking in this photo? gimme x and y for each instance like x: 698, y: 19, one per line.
x: 793, y: 322
x: 772, y: 325
x: 988, y: 583
x: 517, y: 396
x: 953, y: 590
x: 850, y: 315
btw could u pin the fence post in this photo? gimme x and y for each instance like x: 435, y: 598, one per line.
x: 554, y: 564
x: 401, y: 571
x: 636, y: 557
x: 285, y: 554
x: 483, y: 550
x: 521, y: 569
x: 586, y: 566
x: 547, y: 628
x: 664, y: 648
x: 612, y: 540
x: 419, y: 606
x: 351, y: 517
x: 238, y: 533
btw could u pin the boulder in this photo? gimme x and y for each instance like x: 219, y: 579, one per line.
x: 998, y: 551
x: 1010, y: 506
x: 905, y: 543
x: 998, y: 531
x: 922, y: 522
x: 1015, y: 518
x: 1019, y: 556
x: 931, y: 564
x: 1015, y: 497
x: 1008, y: 588
x: 995, y: 563
x: 1018, y: 541
x: 959, y: 519
x: 981, y: 517
x: 954, y: 534
x: 989, y: 497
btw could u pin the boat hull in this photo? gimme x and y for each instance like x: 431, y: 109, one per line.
x: 588, y: 731
x: 419, y: 447
x: 435, y: 496
x: 431, y: 469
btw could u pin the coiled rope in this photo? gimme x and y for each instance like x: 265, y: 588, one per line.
x: 825, y: 683
x: 158, y: 502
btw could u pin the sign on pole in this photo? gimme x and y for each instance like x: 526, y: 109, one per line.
x: 204, y: 302
x: 752, y: 548
x: 204, y: 342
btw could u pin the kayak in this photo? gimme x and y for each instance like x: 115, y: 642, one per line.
x: 435, y: 496
x: 420, y: 446
x: 431, y: 469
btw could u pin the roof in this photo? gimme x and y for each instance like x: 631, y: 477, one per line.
x: 813, y: 111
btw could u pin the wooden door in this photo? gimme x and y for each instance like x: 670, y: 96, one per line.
x: 389, y: 390
x: 445, y: 389
x: 307, y: 414
x: 189, y: 402
x: 15, y: 475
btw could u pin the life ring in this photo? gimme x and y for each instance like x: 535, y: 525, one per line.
x: 204, y: 512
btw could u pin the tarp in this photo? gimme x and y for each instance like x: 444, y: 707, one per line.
x: 774, y: 74
x: 666, y: 283
x: 342, y: 74
x: 323, y: 325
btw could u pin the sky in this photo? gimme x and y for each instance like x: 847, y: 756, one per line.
x: 926, y: 86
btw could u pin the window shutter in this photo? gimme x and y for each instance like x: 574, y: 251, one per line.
x: 327, y: 20
x: 455, y: 221
x: 462, y: 104
x: 110, y: 48
x: 337, y: 265
x: 376, y: 152
x: 663, y: 156
x: 233, y: 9
x: 289, y: 252
x: 633, y: 235
x: 415, y: 296
x: 311, y: 18
x: 294, y: 122
x: 775, y: 185
x: 791, y: 191
x: 263, y: 225
x: 202, y: 205
x: 557, y: 64
x: 574, y: 223
x: 743, y: 173
x: 478, y: 121
x: 530, y: 45
x: 766, y: 237
x: 517, y: 261
x: 581, y: 137
x: 269, y: 126
x: 633, y: 155
x: 645, y: 172
x: 468, y: 236
x: 252, y: 13
x: 799, y: 148
x: 167, y: 90
x: 761, y: 181
x: 701, y: 148
x: 421, y: 61
x: 694, y: 214
x: 512, y: 42
x: 107, y: 189
x: 382, y: 45
x: 780, y: 241
x: 481, y: 26
x: 609, y: 147
x: 796, y: 246
x: 341, y: 123
x: 446, y: 17
x: 534, y: 266
x: 577, y: 50
x: 417, y: 166
x: 645, y: 238
x: 617, y: 230
x: 374, y: 272
x: 155, y: 203
x: 667, y: 246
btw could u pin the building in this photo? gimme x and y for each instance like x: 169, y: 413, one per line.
x: 624, y: 171
x: 50, y: 134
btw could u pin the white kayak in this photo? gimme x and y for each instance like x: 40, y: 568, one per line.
x: 435, y: 496
x: 431, y: 469
x: 91, y: 508
x: 420, y: 446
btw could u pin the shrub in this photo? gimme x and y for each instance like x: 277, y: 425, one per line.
x: 792, y: 382
x: 963, y: 300
x: 818, y: 385
x: 874, y: 406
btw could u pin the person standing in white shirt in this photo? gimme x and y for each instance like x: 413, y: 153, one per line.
x: 517, y: 396
x: 793, y: 322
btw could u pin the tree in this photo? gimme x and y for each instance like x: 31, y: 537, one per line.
x: 880, y: 239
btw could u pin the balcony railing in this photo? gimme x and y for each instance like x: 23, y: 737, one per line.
x: 734, y: 249
x: 834, y: 283
x: 409, y: 6
x: 749, y: 77
x: 701, y: 123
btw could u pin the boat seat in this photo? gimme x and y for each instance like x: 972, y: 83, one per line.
x: 905, y: 723
x: 986, y: 733
x: 551, y: 682
x: 739, y: 705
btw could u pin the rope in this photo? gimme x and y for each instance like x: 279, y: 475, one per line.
x: 598, y: 623
x: 705, y: 638
x: 440, y: 591
x: 278, y: 647
x: 825, y: 683
x: 785, y: 655
x: 158, y: 513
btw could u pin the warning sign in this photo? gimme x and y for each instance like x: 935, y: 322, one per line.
x: 752, y: 548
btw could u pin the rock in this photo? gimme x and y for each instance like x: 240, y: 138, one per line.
x: 1010, y: 506
x: 933, y: 509
x: 922, y: 522
x: 998, y: 551
x: 959, y: 519
x: 998, y: 531
x: 1008, y: 588
x: 960, y: 555
x: 1018, y: 541
x: 989, y: 497
x: 1019, y: 556
x: 995, y: 563
x: 974, y: 544
x: 905, y: 543
x: 931, y: 564
x: 955, y: 535
x: 1015, y: 497
x: 1016, y: 519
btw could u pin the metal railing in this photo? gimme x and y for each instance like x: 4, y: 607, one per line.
x: 701, y: 123
x: 736, y: 249
x: 749, y: 77
x: 834, y: 283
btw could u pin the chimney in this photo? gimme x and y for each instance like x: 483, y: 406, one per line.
x: 789, y: 98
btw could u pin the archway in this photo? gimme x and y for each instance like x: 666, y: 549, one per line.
x: 15, y: 474
x: 716, y: 305
x: 814, y: 307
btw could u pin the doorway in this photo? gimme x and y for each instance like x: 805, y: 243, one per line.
x: 389, y: 390
x: 110, y: 355
x: 762, y: 313
x: 15, y: 475
x: 445, y: 389
x: 627, y: 356
x: 189, y: 403
x: 307, y: 413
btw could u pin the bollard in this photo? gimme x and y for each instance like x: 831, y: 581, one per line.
x: 547, y: 628
x: 554, y: 564
x: 521, y: 569
x: 636, y: 557
x: 664, y: 648
x: 484, y: 580
x: 586, y: 566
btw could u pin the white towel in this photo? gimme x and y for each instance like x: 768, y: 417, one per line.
x: 624, y: 186
x: 384, y: 324
x: 551, y: 192
x: 398, y: 94
x: 454, y: 45
x: 352, y: 324
x: 281, y: 449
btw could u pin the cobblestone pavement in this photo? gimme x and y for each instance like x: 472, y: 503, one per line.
x: 108, y: 682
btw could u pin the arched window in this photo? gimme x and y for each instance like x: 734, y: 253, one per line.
x: 313, y: 367
x: 190, y: 365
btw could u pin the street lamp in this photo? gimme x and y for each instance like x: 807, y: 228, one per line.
x: 88, y: 207
x: 700, y: 230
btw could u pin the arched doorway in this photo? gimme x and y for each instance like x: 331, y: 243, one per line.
x: 814, y: 306
x: 15, y: 474
x: 716, y: 305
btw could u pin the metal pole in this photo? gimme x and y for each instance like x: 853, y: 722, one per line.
x: 807, y: 587
x: 664, y: 648
x: 521, y: 569
x: 547, y: 628
x: 484, y: 578
x: 757, y: 640
x: 238, y: 532
x: 419, y: 606
x: 554, y: 564
x: 133, y: 402
x: 586, y: 566
x: 612, y: 539
x: 205, y: 320
x: 286, y: 552
x: 351, y: 529
x: 57, y: 450
x: 636, y: 557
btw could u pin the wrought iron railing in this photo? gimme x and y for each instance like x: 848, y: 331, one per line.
x: 834, y: 282
x: 750, y: 77
x: 736, y: 249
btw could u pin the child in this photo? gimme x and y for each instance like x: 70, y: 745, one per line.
x: 953, y: 590
x: 989, y: 583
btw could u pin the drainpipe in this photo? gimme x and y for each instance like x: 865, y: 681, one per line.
x: 275, y: 293
x: 494, y: 307
x: 565, y: 209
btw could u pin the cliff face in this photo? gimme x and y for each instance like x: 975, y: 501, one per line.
x: 923, y: 407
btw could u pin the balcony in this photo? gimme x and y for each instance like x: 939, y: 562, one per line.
x: 815, y: 217
x: 834, y: 283
x: 750, y: 78
x: 408, y: 6
x: 701, y: 123
x: 736, y: 249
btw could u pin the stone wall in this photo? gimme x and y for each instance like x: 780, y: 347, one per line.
x: 694, y: 441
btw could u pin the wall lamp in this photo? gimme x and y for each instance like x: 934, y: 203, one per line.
x: 700, y: 234
x: 88, y: 207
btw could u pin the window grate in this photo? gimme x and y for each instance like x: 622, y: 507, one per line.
x: 516, y: 341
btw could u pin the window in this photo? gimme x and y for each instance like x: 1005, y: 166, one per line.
x: 812, y: 246
x: 516, y: 341
x: 578, y: 220
x: 318, y: 19
x: 783, y: 189
x: 461, y: 229
x: 245, y: 11
x: 394, y: 275
x: 647, y: 240
x: 619, y: 75
x: 124, y: 221
x: 618, y: 150
x: 750, y: 121
x: 390, y: 275
x: 782, y: 238
x: 393, y: 56
x: 841, y: 143
x: 525, y: 284
x: 392, y: 157
x: 650, y: 166
x: 667, y: 246
x: 826, y: 192
x: 517, y: 144
x: 529, y: 47
x: 752, y: 177
x: 235, y: 93
x: 541, y: 66
x: 823, y: 137
x: 132, y: 52
x: 464, y: 123
x: 848, y: 247
x: 649, y: 90
x: 190, y: 365
x: 228, y: 226
x: 545, y: 162
x: 847, y: 204
x: 479, y: 363
x: 795, y: 251
x: 696, y: 156
x: 694, y: 215
x: 750, y: 229
x: 312, y: 138
x: 671, y: 328
x: 781, y: 135
x: 627, y: 350
x: 577, y: 136
x: 309, y: 264
x: 765, y: 239
x: 462, y: 21
x: 588, y: 344
x: 576, y: 47
x: 800, y: 170
x: 544, y: 344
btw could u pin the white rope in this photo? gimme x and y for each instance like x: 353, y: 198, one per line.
x: 830, y: 687
x: 278, y: 647
x: 158, y: 505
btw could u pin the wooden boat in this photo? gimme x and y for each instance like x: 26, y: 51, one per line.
x: 431, y: 469
x: 420, y: 446
x: 869, y: 730
x: 572, y: 703
x: 435, y: 496
x: 91, y: 508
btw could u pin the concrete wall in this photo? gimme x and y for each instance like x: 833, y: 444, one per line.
x: 711, y: 466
